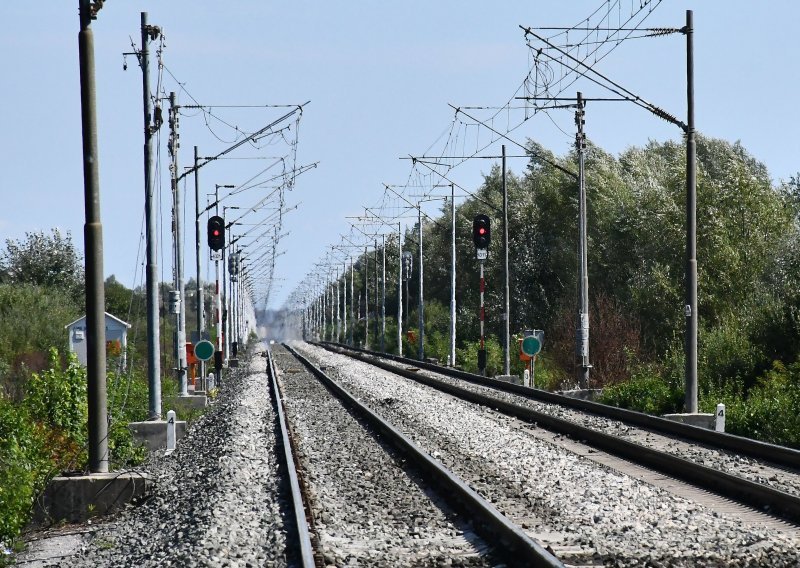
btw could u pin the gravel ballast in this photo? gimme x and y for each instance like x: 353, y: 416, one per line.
x: 217, y: 499
x: 610, y: 516
x: 367, y: 509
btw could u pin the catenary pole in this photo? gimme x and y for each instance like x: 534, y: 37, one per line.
x: 690, y: 310
x: 453, y: 276
x: 366, y: 298
x: 177, y: 226
x: 421, y: 336
x: 151, y: 240
x: 201, y: 324
x: 383, y: 297
x: 399, y: 290
x: 583, y: 277
x: 506, y: 292
x: 93, y: 245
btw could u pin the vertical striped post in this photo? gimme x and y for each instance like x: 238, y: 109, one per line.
x: 481, y: 317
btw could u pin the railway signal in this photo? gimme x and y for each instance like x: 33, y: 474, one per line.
x: 481, y: 235
x: 481, y: 231
x: 216, y: 232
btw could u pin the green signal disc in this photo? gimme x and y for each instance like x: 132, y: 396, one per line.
x: 531, y: 346
x: 204, y: 350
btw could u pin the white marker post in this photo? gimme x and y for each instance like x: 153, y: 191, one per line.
x: 171, y: 431
x: 719, y: 419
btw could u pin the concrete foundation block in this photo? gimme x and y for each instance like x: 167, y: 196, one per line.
x: 701, y: 419
x: 583, y: 394
x: 78, y: 498
x: 153, y: 433
x: 191, y: 402
x: 514, y: 379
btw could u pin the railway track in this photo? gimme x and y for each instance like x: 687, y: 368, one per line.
x: 772, y: 485
x: 560, y: 514
x: 375, y: 497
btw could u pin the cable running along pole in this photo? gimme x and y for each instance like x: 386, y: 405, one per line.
x: 177, y: 227
x: 582, y: 333
x: 506, y: 293
x: 151, y: 236
x: 690, y: 310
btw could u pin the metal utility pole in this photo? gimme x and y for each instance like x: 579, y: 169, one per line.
x: 337, y: 319
x: 383, y: 302
x: 690, y: 310
x: 344, y: 298
x: 400, y: 290
x: 453, y: 276
x: 177, y: 228
x: 93, y: 245
x: 582, y: 334
x: 352, y: 301
x: 150, y: 216
x: 506, y: 292
x: 201, y: 323
x: 421, y: 338
x: 375, y: 301
x: 366, y: 299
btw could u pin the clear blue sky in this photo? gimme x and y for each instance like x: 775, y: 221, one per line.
x: 379, y: 76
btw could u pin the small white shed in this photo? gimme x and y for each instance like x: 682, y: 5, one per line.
x: 116, y: 338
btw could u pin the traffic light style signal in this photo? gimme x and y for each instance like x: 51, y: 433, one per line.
x: 216, y: 232
x: 481, y: 231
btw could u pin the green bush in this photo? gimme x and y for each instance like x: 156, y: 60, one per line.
x: 23, y: 466
x: 769, y: 411
x: 57, y: 399
x: 646, y: 391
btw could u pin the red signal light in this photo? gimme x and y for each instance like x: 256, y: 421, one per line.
x: 216, y: 232
x: 481, y: 231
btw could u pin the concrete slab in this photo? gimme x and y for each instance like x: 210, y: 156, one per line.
x: 701, y: 419
x: 153, y: 433
x: 583, y: 394
x: 514, y: 379
x: 191, y: 402
x: 79, y: 498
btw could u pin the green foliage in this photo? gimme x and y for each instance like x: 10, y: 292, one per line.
x: 57, y: 399
x: 23, y: 464
x: 467, y: 357
x: 42, y: 260
x: 32, y: 320
x: 768, y: 411
x: 646, y: 391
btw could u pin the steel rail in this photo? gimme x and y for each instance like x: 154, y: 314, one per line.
x: 518, y: 548
x: 778, y: 455
x: 755, y: 495
x: 301, y: 523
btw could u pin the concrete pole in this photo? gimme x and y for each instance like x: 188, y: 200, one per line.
x: 506, y: 284
x: 151, y: 242
x: 690, y: 311
x: 377, y: 293
x: 383, y: 301
x: 201, y: 317
x: 399, y: 290
x: 421, y: 337
x: 453, y: 276
x: 583, y: 276
x: 352, y: 302
x: 180, y: 317
x: 93, y: 246
x: 338, y: 325
x: 344, y: 298
x: 366, y: 299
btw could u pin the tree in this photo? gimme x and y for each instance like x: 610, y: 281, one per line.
x: 44, y: 260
